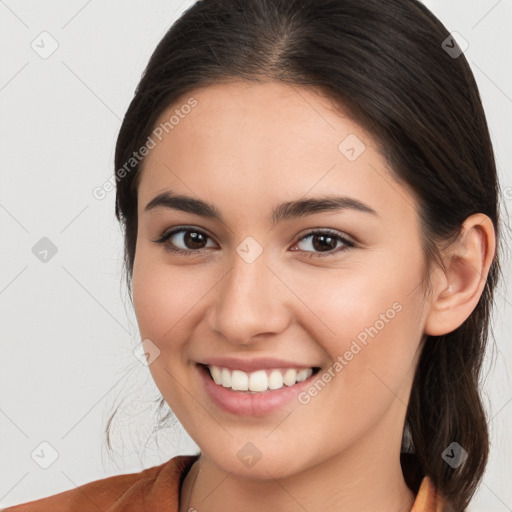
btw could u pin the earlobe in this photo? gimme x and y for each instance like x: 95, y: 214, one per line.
x: 467, y: 264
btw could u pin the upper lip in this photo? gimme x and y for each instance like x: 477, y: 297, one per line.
x: 253, y: 364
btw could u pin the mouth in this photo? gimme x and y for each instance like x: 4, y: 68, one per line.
x: 256, y: 387
x: 259, y: 381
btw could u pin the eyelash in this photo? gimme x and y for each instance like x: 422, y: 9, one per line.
x: 167, y: 235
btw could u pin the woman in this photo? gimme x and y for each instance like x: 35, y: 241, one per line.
x: 309, y: 197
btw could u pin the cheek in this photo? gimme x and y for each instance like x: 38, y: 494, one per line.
x: 369, y: 323
x: 166, y: 298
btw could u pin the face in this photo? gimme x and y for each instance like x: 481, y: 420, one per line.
x: 315, y: 306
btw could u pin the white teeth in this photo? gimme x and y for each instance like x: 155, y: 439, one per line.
x: 290, y: 377
x: 275, y: 379
x: 225, y: 378
x: 302, y: 375
x: 239, y: 381
x: 258, y: 381
x: 216, y: 374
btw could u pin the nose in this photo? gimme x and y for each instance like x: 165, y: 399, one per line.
x: 251, y: 302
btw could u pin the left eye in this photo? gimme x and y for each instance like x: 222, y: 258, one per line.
x: 325, y: 242
x: 193, y: 240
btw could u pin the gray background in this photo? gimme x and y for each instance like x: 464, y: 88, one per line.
x: 68, y: 332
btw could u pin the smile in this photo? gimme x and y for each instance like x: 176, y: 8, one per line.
x: 254, y: 393
x: 259, y: 381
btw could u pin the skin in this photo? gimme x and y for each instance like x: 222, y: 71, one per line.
x: 246, y: 148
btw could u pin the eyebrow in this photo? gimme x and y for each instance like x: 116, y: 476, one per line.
x: 284, y: 211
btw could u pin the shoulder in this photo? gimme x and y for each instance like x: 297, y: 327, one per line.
x: 134, y: 491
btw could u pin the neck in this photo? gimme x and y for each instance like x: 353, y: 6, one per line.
x: 367, y: 476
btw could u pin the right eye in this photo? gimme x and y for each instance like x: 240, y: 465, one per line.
x: 191, y: 240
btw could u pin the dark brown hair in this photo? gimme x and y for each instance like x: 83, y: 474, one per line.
x: 387, y: 65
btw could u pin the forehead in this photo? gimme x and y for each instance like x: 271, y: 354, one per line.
x: 272, y: 113
x: 264, y: 140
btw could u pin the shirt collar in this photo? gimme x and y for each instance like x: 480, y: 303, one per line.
x: 428, y: 498
x: 166, y: 486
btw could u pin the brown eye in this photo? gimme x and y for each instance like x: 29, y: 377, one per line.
x: 325, y: 242
x: 189, y: 241
x: 194, y: 240
x: 184, y: 241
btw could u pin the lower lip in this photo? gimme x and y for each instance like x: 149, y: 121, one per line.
x: 250, y: 404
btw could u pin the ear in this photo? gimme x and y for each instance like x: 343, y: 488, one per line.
x: 457, y: 288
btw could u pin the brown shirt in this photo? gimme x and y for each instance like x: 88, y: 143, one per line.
x: 157, y: 489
